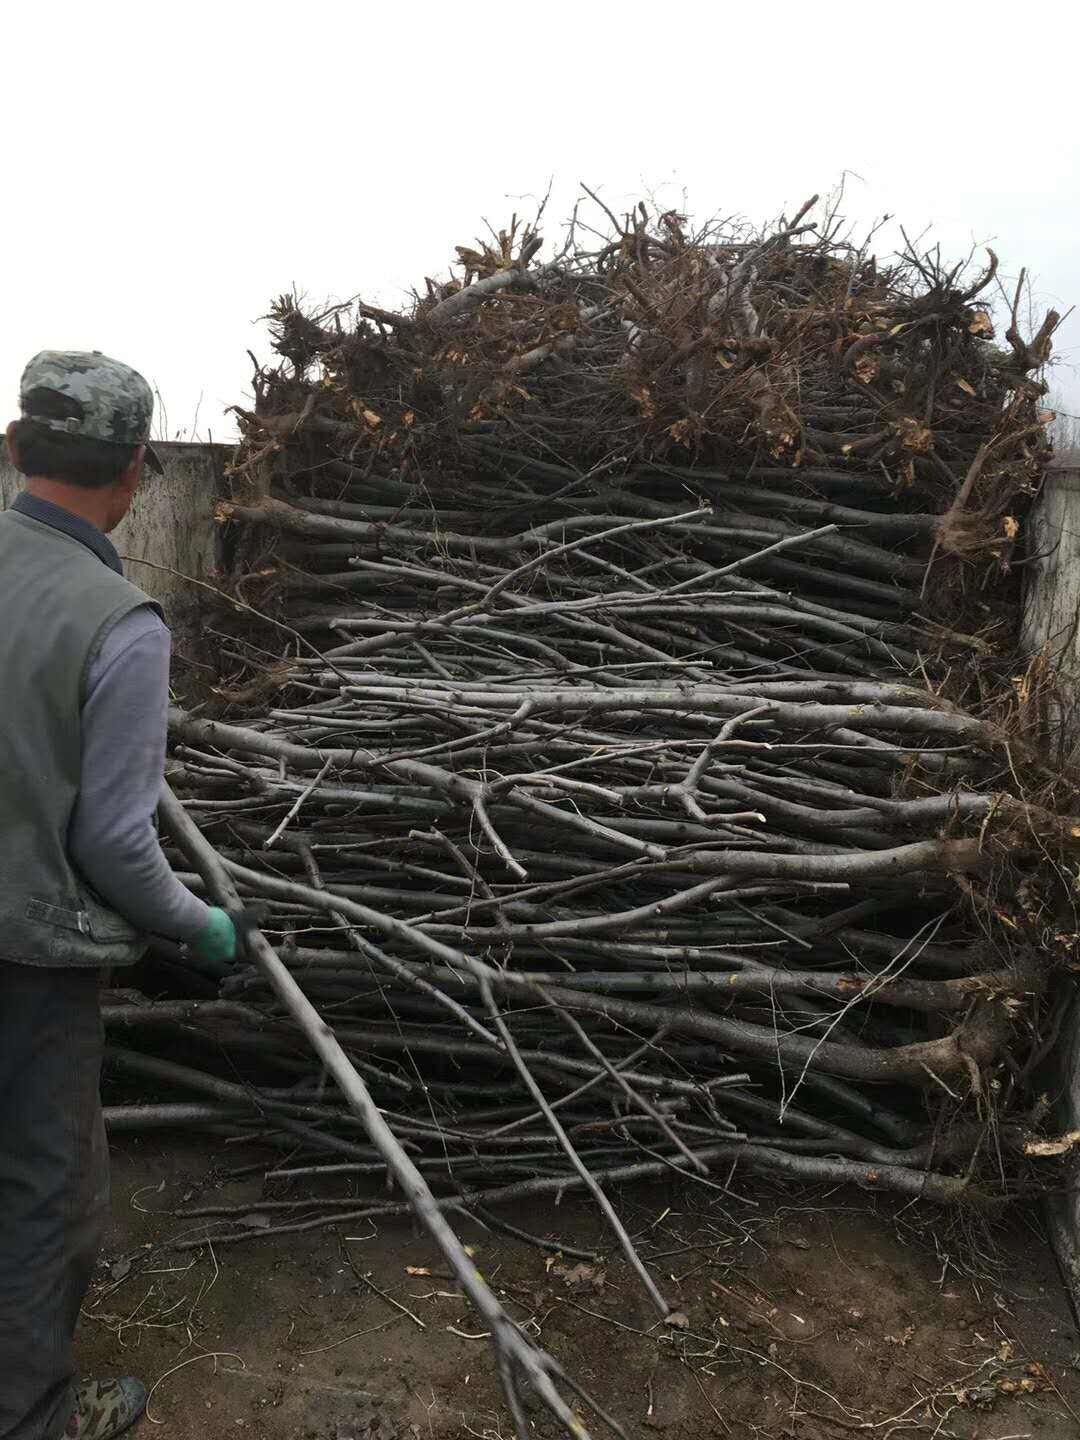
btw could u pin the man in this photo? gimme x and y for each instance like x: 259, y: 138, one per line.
x: 84, y: 666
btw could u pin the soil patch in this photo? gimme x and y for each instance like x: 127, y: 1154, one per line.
x: 813, y: 1315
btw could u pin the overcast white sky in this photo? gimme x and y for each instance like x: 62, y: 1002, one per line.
x: 170, y: 167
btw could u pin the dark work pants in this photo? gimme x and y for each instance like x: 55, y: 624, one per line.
x: 54, y: 1184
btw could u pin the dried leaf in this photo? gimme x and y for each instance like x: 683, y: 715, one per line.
x: 643, y: 400
x: 582, y: 1276
x: 904, y: 1339
x: 1011, y: 526
x: 963, y: 385
x: 981, y: 324
x: 914, y: 435
x: 255, y: 1220
x: 417, y: 1270
x: 121, y: 1269
x: 678, y: 1320
x: 1016, y: 1387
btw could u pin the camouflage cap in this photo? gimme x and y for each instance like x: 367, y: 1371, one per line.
x: 82, y: 392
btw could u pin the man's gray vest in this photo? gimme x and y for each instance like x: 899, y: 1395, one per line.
x: 58, y: 601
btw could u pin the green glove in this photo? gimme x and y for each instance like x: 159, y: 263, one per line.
x: 217, y: 940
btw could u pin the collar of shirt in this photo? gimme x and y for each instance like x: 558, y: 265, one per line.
x: 79, y: 529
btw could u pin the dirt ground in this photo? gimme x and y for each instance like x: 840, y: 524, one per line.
x: 808, y: 1315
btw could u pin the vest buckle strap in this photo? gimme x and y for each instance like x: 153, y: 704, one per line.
x: 55, y: 915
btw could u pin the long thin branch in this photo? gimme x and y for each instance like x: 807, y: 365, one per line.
x: 508, y: 1341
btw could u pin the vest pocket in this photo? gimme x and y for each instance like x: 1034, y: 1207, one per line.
x: 103, y: 923
x: 93, y: 919
x: 64, y: 927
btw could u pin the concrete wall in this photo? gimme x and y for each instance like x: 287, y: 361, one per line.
x: 1052, y: 596
x: 171, y: 523
x: 1051, y: 613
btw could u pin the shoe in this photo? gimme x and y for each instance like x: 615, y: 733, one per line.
x: 104, y: 1408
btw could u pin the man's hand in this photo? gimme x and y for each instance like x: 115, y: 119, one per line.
x: 218, y: 939
x: 225, y: 934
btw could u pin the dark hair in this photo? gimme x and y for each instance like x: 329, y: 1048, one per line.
x: 73, y: 459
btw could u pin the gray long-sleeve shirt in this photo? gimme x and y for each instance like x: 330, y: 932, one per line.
x: 112, y: 840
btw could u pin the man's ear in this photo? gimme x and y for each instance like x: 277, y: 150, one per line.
x: 129, y: 480
x: 9, y: 443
